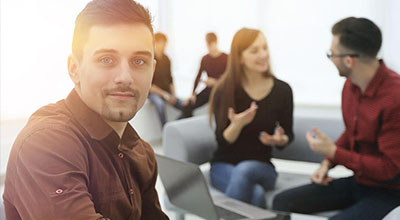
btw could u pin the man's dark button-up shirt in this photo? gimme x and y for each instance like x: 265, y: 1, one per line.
x: 67, y: 163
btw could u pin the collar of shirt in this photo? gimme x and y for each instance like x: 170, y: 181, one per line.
x: 375, y: 82
x: 96, y: 127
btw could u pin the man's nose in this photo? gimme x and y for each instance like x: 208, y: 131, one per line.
x: 125, y: 74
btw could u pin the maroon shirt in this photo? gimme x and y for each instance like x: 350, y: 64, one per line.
x: 67, y: 163
x: 214, y: 67
x: 370, y: 145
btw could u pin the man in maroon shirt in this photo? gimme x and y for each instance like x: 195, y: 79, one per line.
x: 79, y: 158
x: 370, y: 144
x: 214, y: 64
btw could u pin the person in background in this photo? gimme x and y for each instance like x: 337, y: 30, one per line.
x: 79, y: 158
x: 253, y: 113
x: 214, y: 64
x: 370, y: 144
x: 162, y: 90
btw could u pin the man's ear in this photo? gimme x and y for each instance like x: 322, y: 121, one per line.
x: 349, y: 61
x: 73, y: 68
x: 154, y: 65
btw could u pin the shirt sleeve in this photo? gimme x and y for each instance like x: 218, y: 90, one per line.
x: 341, y: 142
x: 150, y: 203
x: 219, y: 128
x: 201, y: 69
x: 382, y: 167
x: 50, y: 179
x: 169, y: 73
x: 286, y: 118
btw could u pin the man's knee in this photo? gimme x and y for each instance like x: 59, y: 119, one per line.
x: 281, y: 202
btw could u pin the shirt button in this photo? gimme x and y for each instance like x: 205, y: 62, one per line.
x: 131, y: 191
x: 121, y: 155
x: 59, y: 191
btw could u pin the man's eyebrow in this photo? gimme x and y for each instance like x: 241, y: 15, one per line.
x: 143, y: 53
x: 100, y: 51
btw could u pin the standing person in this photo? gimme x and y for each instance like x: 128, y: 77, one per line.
x: 162, y: 89
x: 253, y: 113
x: 80, y: 158
x: 370, y: 143
x: 214, y: 64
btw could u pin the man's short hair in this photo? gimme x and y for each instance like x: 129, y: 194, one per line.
x: 360, y: 35
x: 107, y: 12
x: 211, y: 37
x: 160, y: 37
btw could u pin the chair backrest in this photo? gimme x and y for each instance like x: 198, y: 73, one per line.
x: 190, y: 139
x: 193, y: 140
x: 299, y: 149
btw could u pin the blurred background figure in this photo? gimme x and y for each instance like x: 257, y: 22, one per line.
x: 253, y: 113
x: 162, y: 90
x: 214, y: 64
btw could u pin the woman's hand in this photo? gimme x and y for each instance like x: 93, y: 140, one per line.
x: 238, y: 121
x: 279, y: 138
x: 243, y: 118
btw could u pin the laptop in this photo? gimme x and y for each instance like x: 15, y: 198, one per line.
x: 187, y: 189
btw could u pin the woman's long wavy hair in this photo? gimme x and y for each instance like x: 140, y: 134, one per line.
x: 223, y: 94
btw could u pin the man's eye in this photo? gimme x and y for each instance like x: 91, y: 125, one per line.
x: 138, y: 61
x: 106, y: 60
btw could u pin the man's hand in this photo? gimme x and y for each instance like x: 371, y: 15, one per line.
x: 321, y: 175
x: 170, y: 99
x: 243, y: 118
x: 210, y: 82
x: 191, y: 100
x: 320, y: 143
x: 279, y: 138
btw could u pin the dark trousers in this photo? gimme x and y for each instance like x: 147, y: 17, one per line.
x: 356, y: 201
x: 201, y: 99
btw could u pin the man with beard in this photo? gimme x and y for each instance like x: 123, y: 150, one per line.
x: 80, y: 158
x: 370, y: 144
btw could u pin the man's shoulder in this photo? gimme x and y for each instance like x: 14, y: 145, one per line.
x: 166, y: 58
x: 51, y: 116
x: 208, y: 57
x: 391, y: 86
x: 49, y: 127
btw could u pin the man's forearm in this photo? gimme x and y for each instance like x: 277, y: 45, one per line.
x: 327, y: 164
x: 157, y: 90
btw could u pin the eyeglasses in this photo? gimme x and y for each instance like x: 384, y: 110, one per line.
x: 330, y: 55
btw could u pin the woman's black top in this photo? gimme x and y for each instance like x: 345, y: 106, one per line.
x: 276, y: 107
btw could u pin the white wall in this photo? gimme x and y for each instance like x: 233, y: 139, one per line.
x: 298, y: 33
x: 36, y: 39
